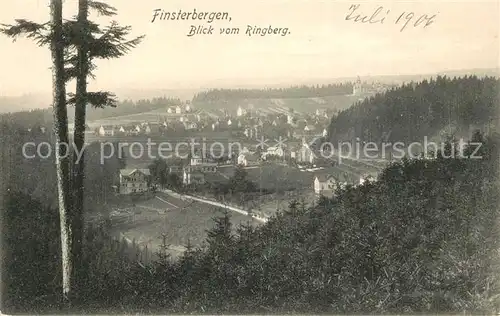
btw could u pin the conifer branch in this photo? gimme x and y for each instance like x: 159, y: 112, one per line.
x: 29, y: 29
x: 102, y: 8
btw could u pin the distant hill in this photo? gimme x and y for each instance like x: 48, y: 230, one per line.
x: 36, y: 101
x: 187, y: 94
x: 403, y: 78
x: 23, y: 102
x: 140, y: 94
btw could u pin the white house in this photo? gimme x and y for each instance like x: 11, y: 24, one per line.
x: 194, y: 173
x: 197, y: 163
x: 364, y: 179
x: 309, y: 128
x: 215, y: 125
x: 187, y: 108
x: 240, y: 111
x: 190, y: 125
x: 248, y: 159
x: 306, y: 154
x: 192, y: 177
x: 170, y: 110
x: 248, y: 132
x: 229, y: 122
x: 134, y: 180
x: 324, y: 184
x: 122, y: 130
x: 178, y: 110
x: 274, y: 151
x: 106, y: 131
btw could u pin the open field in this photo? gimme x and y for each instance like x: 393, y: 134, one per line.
x: 148, y: 116
x: 298, y: 105
x: 273, y: 176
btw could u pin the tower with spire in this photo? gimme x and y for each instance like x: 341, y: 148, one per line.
x: 357, y: 87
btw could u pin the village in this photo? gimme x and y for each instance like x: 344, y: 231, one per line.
x: 277, y: 140
x: 279, y: 160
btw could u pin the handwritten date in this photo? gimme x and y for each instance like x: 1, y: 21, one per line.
x: 405, y: 19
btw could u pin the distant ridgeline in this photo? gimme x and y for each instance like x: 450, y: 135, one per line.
x: 283, y: 93
x: 128, y: 107
x: 414, y: 110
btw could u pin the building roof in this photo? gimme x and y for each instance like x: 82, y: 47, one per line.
x: 128, y: 172
x: 274, y: 148
x: 323, y: 177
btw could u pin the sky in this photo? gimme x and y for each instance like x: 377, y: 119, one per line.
x: 321, y: 43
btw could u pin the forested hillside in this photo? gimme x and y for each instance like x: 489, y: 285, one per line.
x: 36, y: 176
x: 420, y: 109
x: 424, y: 238
x: 274, y: 93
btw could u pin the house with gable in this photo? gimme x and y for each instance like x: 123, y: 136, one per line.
x: 324, y: 184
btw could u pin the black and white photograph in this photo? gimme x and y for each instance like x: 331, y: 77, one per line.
x: 250, y: 157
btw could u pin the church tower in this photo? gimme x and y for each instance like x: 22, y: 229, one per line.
x: 356, y: 88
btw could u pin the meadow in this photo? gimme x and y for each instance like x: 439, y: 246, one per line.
x: 181, y: 222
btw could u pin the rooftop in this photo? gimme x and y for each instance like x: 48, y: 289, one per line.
x: 129, y: 172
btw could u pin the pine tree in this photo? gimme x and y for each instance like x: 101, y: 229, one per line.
x: 89, y: 42
x: 61, y: 134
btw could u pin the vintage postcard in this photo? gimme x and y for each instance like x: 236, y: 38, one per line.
x: 250, y: 157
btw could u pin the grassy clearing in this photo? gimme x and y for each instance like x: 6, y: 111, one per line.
x: 181, y: 221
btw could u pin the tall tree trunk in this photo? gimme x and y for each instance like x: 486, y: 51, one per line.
x: 79, y: 139
x: 61, y: 135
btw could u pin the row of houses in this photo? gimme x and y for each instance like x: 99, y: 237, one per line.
x: 153, y: 128
x: 307, y: 152
x: 179, y: 109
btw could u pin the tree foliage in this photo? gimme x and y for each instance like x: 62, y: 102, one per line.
x: 421, y: 239
x: 292, y: 92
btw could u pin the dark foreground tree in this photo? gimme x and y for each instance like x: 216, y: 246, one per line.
x: 61, y: 134
x: 90, y: 42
